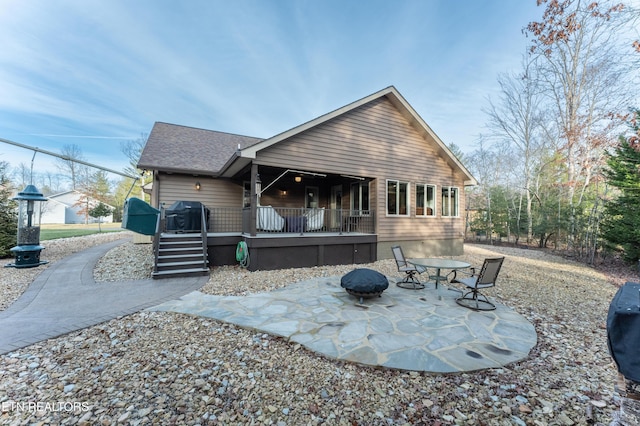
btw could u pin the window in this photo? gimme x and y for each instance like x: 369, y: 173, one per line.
x: 425, y: 200
x: 312, y: 197
x: 449, y: 201
x: 360, y: 198
x: 397, y: 198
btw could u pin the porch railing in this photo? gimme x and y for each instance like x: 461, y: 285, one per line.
x: 225, y: 219
x: 286, y: 220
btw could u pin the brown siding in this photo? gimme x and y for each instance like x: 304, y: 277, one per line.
x: 212, y: 193
x: 376, y: 141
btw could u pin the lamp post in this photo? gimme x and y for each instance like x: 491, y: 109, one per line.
x: 28, y: 249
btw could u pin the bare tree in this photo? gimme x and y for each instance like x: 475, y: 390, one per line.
x: 69, y: 165
x: 584, y: 76
x: 487, y: 165
x: 515, y: 119
x: 133, y: 149
x: 50, y: 183
x: 22, y: 175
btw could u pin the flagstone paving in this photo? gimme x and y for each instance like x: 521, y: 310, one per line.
x: 417, y: 330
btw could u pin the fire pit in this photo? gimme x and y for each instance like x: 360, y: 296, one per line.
x: 364, y: 283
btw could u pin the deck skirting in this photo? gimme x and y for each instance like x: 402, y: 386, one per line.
x: 295, y: 251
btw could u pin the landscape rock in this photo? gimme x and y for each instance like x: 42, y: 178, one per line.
x: 168, y: 368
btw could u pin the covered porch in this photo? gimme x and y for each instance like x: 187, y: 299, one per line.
x: 295, y: 218
x: 277, y: 200
x: 296, y: 237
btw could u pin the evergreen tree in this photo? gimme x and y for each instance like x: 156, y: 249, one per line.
x: 621, y: 228
x: 100, y: 211
x: 8, y: 216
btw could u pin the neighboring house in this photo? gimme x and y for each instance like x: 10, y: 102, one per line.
x: 62, y: 208
x: 342, y: 188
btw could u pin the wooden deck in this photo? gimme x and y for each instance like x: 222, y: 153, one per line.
x: 268, y: 251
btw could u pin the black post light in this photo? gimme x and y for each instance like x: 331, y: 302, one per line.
x: 29, y: 214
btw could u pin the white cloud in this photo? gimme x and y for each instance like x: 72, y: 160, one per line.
x: 112, y: 68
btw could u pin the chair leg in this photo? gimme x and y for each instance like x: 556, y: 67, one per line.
x: 410, y: 277
x: 410, y: 282
x: 477, y: 301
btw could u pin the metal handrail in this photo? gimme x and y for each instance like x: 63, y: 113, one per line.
x: 160, y: 223
x: 203, y: 233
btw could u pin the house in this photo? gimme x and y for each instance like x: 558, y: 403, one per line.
x: 62, y: 208
x: 341, y: 188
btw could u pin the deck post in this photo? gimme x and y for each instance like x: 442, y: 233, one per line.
x: 255, y: 199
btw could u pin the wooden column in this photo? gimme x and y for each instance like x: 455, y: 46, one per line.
x: 254, y: 200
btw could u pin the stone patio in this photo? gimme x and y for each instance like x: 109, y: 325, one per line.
x: 417, y: 330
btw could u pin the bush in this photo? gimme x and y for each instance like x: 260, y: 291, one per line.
x: 8, y: 215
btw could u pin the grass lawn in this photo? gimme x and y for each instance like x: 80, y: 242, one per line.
x: 53, y: 231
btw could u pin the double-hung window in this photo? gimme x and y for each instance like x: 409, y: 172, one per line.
x: 425, y: 200
x: 360, y: 198
x: 397, y: 198
x: 449, y: 201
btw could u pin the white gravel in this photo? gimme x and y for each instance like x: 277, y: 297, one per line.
x: 166, y: 368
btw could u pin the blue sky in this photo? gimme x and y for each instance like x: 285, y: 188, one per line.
x: 96, y: 73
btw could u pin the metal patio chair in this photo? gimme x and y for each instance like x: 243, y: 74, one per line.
x: 486, y: 278
x: 410, y: 280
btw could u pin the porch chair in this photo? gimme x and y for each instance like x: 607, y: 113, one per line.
x: 269, y: 219
x: 315, y: 219
x: 486, y: 278
x: 410, y: 280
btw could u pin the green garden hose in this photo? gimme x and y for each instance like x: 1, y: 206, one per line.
x: 242, y: 254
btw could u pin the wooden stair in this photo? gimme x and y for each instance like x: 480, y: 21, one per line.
x: 180, y: 255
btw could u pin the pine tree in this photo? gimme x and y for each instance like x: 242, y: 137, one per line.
x: 100, y: 211
x: 8, y: 216
x: 621, y: 228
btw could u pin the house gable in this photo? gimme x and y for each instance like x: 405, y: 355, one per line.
x: 68, y: 198
x: 62, y: 208
x: 372, y: 140
x: 376, y: 141
x: 393, y: 97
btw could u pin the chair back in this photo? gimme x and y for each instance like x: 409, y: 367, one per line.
x: 489, y: 272
x: 315, y: 219
x: 399, y: 256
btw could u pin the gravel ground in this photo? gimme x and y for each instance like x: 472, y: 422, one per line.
x: 167, y: 368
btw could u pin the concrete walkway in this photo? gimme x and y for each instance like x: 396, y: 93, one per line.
x: 65, y: 298
x: 417, y: 330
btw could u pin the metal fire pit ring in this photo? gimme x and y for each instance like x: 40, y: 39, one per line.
x: 361, y: 295
x: 364, y: 283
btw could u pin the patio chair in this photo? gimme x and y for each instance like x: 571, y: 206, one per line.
x: 486, y: 278
x: 315, y: 219
x: 410, y: 280
x: 269, y: 219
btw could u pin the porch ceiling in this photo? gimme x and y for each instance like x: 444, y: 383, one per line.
x: 269, y: 174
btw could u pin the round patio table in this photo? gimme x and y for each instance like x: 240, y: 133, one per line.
x: 438, y: 265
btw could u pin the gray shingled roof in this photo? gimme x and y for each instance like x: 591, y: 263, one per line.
x: 171, y: 147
